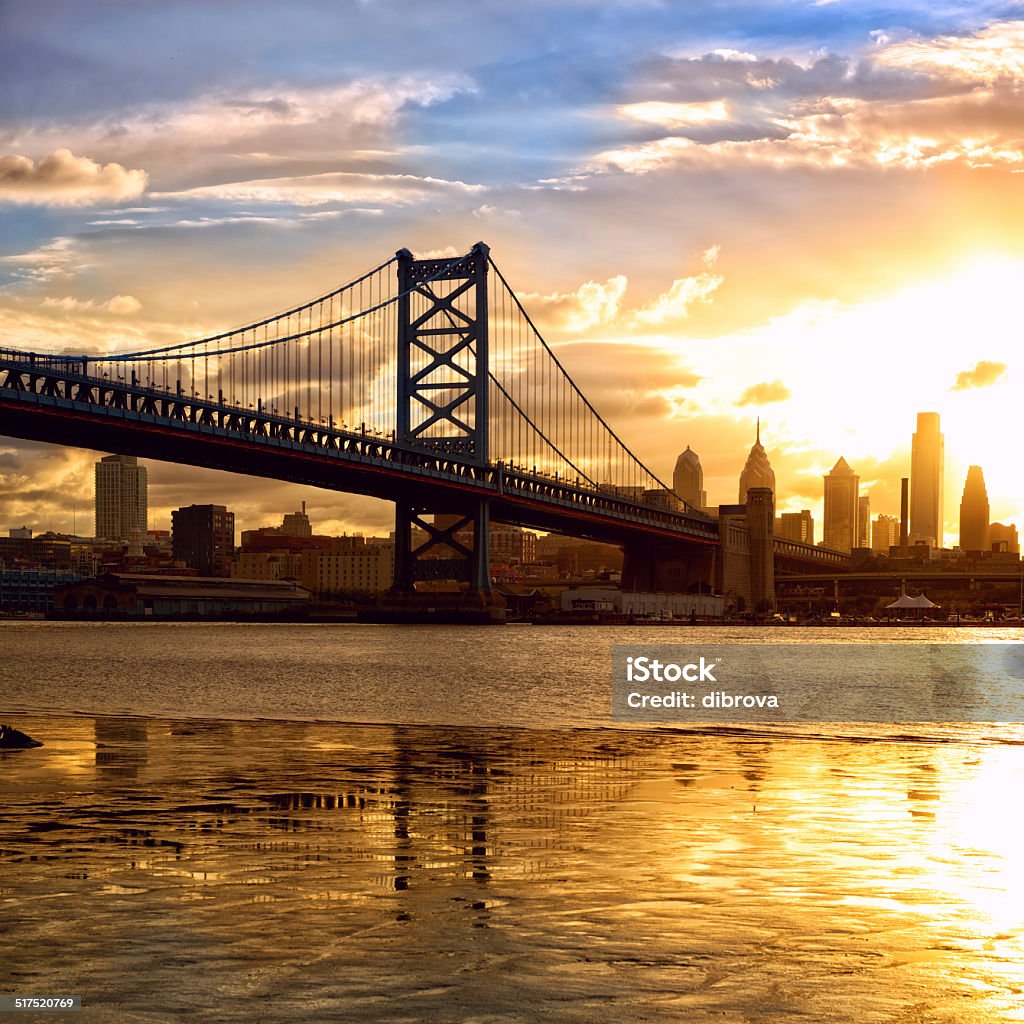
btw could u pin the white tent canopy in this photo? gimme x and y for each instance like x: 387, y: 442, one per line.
x: 912, y: 602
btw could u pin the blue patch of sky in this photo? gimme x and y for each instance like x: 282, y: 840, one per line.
x: 74, y: 58
x: 27, y: 227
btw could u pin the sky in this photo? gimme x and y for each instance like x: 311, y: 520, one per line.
x: 807, y: 212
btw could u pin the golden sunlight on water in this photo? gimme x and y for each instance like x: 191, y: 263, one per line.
x: 291, y: 871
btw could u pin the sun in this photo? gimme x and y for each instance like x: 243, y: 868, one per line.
x: 858, y: 373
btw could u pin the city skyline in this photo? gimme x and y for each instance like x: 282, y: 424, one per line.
x: 140, y: 213
x: 686, y: 480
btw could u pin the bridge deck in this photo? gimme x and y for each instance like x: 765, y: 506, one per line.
x: 52, y: 400
x: 53, y: 403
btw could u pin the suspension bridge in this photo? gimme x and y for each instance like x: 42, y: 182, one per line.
x: 424, y: 382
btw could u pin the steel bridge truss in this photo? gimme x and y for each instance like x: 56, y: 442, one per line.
x: 441, y: 406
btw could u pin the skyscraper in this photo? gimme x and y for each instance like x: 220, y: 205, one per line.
x: 203, y: 537
x: 885, y: 534
x: 863, y: 521
x: 974, y: 512
x: 841, y: 507
x: 797, y: 526
x: 688, y: 479
x: 758, y: 471
x: 926, y: 479
x: 122, y: 509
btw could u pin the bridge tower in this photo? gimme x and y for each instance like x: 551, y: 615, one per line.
x: 441, y: 407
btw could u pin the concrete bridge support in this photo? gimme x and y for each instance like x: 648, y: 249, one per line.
x: 761, y: 529
x: 746, y: 563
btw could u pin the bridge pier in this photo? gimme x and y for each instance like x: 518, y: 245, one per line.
x: 441, y: 546
x: 745, y: 572
x: 455, y: 547
x: 761, y: 527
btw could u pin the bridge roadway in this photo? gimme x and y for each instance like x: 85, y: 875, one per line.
x: 53, y: 400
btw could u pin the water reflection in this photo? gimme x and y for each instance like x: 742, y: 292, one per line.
x: 121, y: 745
x: 590, y: 875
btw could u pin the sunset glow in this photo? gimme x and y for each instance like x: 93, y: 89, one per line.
x: 719, y: 225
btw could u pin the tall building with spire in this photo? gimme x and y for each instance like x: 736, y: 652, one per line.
x: 974, y: 512
x: 926, y: 481
x: 841, y: 507
x: 688, y: 479
x: 758, y: 471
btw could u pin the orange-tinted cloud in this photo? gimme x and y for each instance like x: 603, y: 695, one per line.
x: 684, y: 293
x: 764, y: 393
x: 984, y: 375
x: 63, y: 179
x: 595, y: 304
x: 591, y: 305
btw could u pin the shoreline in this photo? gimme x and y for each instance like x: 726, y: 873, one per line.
x: 752, y: 730
x: 477, y: 620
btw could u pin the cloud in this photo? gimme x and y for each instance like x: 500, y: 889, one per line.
x: 685, y: 292
x: 337, y: 187
x: 120, y: 305
x: 591, y: 305
x: 600, y: 304
x: 633, y: 380
x: 63, y: 179
x: 764, y: 393
x: 369, y: 101
x: 676, y: 115
x: 40, y: 485
x: 994, y: 53
x: 209, y: 137
x: 54, y: 259
x: 488, y: 212
x: 913, y: 104
x: 984, y: 375
x: 565, y: 183
x: 66, y: 323
x: 124, y: 305
x: 217, y: 222
x: 839, y: 134
x: 445, y: 253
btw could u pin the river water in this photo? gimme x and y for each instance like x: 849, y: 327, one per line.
x: 363, y: 823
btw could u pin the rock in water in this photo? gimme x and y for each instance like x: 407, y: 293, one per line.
x: 11, y: 739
